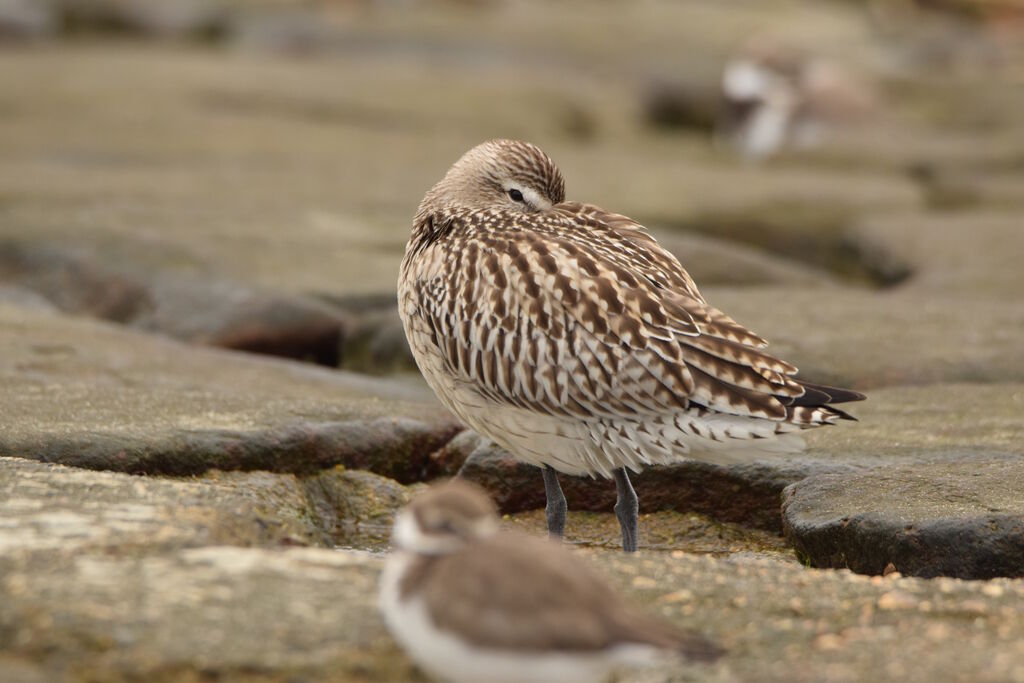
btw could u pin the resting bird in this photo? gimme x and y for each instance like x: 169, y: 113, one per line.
x: 472, y: 604
x: 569, y: 336
x: 774, y: 96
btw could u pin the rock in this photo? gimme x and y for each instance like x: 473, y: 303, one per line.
x: 712, y: 261
x: 315, y: 189
x: 662, y: 531
x: 107, y: 576
x: 136, y: 403
x: 74, y: 280
x: 813, y: 625
x: 292, y: 31
x: 57, y: 510
x: 376, y: 342
x: 299, y: 614
x: 906, y: 336
x: 310, y: 614
x: 449, y: 459
x: 821, y: 235
x: 201, y: 310
x: 963, y: 518
x: 934, y: 246
x: 692, y: 105
x: 19, y: 297
x: 26, y: 19
x: 231, y: 316
x: 357, y: 508
x: 117, y: 513
x: 188, y: 19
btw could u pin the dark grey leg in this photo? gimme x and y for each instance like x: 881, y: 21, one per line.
x: 556, y: 506
x: 627, y: 509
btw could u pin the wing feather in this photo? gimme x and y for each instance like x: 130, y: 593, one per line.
x: 580, y: 312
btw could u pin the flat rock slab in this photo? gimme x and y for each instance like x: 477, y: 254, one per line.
x: 309, y: 614
x: 784, y: 622
x: 865, y: 339
x: 88, y: 394
x: 124, y: 287
x: 304, y: 176
x: 963, y: 519
x: 223, y: 612
x: 59, y: 510
x: 913, y: 426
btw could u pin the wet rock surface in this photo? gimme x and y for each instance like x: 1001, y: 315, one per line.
x: 962, y: 519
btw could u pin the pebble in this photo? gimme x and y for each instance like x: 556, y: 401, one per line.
x: 897, y: 600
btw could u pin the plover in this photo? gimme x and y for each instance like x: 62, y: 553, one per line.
x: 566, y: 334
x: 473, y: 604
x: 774, y: 96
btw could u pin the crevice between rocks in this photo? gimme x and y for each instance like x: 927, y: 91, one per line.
x: 749, y: 494
x: 785, y: 228
x: 398, y: 448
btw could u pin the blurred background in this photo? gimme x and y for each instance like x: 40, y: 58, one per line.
x: 243, y: 172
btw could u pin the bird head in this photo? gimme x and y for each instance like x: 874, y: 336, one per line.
x: 505, y: 175
x: 444, y: 518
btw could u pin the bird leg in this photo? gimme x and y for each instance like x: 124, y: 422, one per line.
x: 556, y: 505
x: 627, y: 509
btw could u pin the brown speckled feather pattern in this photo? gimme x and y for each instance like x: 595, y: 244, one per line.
x: 568, y: 335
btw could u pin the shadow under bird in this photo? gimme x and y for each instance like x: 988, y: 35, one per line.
x: 472, y: 604
x: 569, y: 336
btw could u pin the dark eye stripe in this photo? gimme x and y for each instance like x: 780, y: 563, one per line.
x: 516, y: 195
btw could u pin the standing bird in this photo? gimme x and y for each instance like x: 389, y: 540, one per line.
x: 569, y: 336
x: 472, y: 604
x: 774, y: 96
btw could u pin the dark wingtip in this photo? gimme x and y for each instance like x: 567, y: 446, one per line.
x: 824, y: 394
x: 842, y: 414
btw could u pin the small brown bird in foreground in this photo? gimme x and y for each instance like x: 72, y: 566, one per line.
x: 472, y: 604
x: 569, y: 336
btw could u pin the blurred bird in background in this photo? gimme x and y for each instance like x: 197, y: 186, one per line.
x: 775, y: 96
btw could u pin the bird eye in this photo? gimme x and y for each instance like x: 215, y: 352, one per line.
x: 516, y: 195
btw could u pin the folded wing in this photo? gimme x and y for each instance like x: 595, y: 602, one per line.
x: 579, y: 312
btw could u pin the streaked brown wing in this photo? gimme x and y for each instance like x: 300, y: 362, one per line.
x: 579, y: 312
